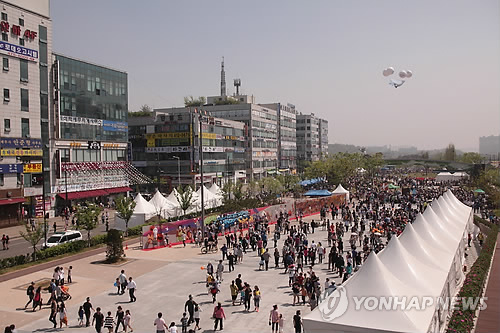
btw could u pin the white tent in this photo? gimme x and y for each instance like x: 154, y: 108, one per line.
x: 459, y: 175
x: 444, y: 177
x: 143, y: 211
x: 425, y: 261
x: 163, y: 206
x: 172, y: 197
x: 216, y: 190
x: 210, y: 200
x: 341, y: 190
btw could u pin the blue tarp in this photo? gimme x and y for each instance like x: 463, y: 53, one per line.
x: 311, y: 181
x: 318, y: 193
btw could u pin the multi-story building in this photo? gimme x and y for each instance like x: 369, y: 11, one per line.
x: 287, y: 136
x: 89, y: 129
x: 165, y: 147
x: 25, y: 51
x: 323, y: 137
x: 308, y: 138
x: 489, y: 146
x: 262, y: 127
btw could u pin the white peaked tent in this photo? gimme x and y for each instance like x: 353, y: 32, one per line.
x: 459, y: 175
x: 425, y: 261
x: 216, y: 190
x: 163, y: 206
x: 342, y: 190
x: 143, y: 211
x: 210, y: 200
x: 172, y: 199
x: 444, y: 177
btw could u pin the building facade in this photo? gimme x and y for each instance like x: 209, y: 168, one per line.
x: 165, y: 147
x: 261, y: 122
x: 308, y: 138
x: 323, y: 137
x: 489, y: 146
x: 25, y: 51
x: 89, y: 141
x: 287, y: 135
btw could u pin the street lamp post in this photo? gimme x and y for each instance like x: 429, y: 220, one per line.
x: 200, y: 142
x: 178, y: 169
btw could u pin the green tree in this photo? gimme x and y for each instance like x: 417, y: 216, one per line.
x: 88, y: 217
x: 271, y: 187
x: 184, y: 197
x: 450, y: 153
x: 372, y: 163
x: 191, y: 101
x: 114, y: 244
x: 32, y: 236
x: 472, y: 158
x: 125, y: 209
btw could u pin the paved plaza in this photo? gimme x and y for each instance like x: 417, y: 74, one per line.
x: 165, y: 277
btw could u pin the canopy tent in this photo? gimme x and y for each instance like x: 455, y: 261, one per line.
x: 425, y: 261
x: 392, y: 187
x: 172, y: 197
x: 143, y: 211
x: 215, y: 189
x: 444, y: 177
x: 459, y: 175
x: 163, y: 206
x: 342, y: 190
x: 318, y: 193
x: 478, y: 191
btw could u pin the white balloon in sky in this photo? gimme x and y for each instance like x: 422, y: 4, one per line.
x: 402, y: 74
x: 388, y: 71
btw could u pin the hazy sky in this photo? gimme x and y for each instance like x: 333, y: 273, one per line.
x: 326, y: 57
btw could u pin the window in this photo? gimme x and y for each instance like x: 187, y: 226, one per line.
x: 6, y: 125
x: 21, y: 22
x: 24, y: 70
x: 5, y: 37
x: 25, y: 101
x: 5, y: 64
x: 21, y: 41
x: 25, y: 127
x: 2, y: 183
x: 4, y: 16
x: 27, y: 180
x: 6, y: 95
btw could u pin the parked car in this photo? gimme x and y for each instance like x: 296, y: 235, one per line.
x: 63, y: 237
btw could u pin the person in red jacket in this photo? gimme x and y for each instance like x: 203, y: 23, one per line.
x: 218, y: 315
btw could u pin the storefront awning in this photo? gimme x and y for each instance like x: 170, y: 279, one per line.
x: 83, y: 194
x: 118, y: 190
x: 11, y: 201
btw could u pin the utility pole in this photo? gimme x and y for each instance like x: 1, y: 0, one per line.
x: 200, y: 144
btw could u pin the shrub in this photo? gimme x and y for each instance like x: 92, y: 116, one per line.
x: 463, y: 320
x: 115, y: 246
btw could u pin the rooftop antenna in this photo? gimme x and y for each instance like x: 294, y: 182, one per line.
x: 237, y: 85
x: 222, y: 80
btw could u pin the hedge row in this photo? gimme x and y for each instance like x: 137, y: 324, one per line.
x: 52, y: 252
x: 463, y: 320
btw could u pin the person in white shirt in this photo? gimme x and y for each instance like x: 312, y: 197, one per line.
x: 131, y: 289
x: 160, y: 323
x: 122, y: 279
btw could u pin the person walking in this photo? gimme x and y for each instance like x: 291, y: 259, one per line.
x: 189, y: 308
x: 53, y: 312
x: 87, y: 307
x: 220, y: 270
x: 30, y: 291
x: 98, y: 320
x: 266, y: 256
x: 197, y: 311
x: 81, y: 313
x: 274, y: 316
x: 37, y: 300
x: 234, y: 292
x: 297, y: 322
x: 63, y: 318
x: 120, y: 316
x: 231, y: 259
x: 127, y: 321
x: 256, y: 298
x: 218, y: 316
x: 248, y: 296
x: 131, y: 289
x: 122, y: 280
x: 70, y: 269
x: 108, y: 322
x: 276, y: 257
x: 160, y: 323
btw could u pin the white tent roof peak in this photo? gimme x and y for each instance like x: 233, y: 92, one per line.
x: 340, y: 189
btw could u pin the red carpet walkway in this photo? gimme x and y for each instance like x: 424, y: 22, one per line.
x: 489, y: 319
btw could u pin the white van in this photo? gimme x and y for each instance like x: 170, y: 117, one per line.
x: 63, y: 237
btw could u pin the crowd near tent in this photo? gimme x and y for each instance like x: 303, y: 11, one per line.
x: 341, y: 190
x: 425, y: 261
